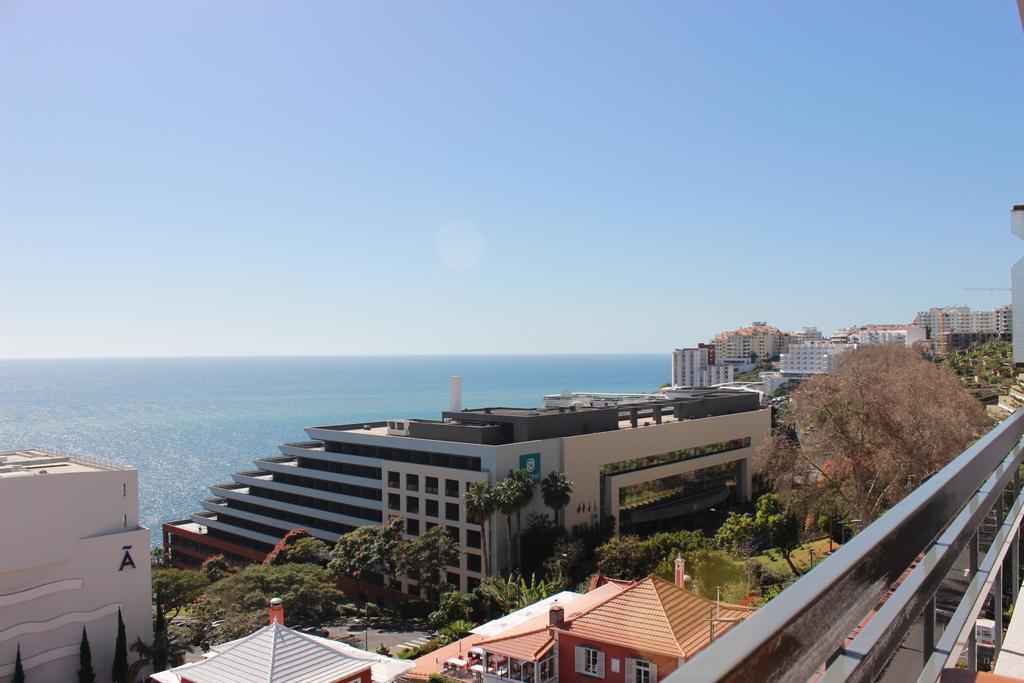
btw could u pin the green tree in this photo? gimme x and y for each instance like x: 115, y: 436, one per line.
x: 281, y: 552
x: 215, y: 568
x: 506, y: 500
x: 308, y: 591
x: 480, y: 506
x: 158, y: 558
x: 509, y: 595
x: 782, y: 527
x: 453, y: 606
x: 119, y: 671
x: 19, y: 670
x: 427, y: 556
x: 627, y: 557
x: 563, y: 566
x: 178, y: 587
x: 370, y: 550
x: 310, y: 551
x: 738, y: 534
x: 524, y: 494
x: 85, y: 672
x: 457, y: 630
x: 556, y: 490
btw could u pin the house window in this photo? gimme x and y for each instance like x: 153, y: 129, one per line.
x: 643, y: 671
x: 589, y: 661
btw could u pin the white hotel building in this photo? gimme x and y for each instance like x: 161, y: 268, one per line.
x: 71, y: 554
x: 804, y: 360
x: 646, y: 462
x: 693, y: 368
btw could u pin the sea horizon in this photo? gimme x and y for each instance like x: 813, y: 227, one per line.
x: 188, y: 422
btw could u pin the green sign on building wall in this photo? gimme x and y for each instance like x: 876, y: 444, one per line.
x: 531, y: 463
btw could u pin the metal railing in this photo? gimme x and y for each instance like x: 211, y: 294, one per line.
x: 89, y: 461
x: 885, y: 580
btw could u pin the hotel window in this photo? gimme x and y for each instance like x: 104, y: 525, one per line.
x: 451, y: 488
x: 412, y: 482
x: 453, y: 531
x: 472, y: 562
x: 472, y: 538
x: 432, y: 508
x: 412, y: 527
x: 412, y: 505
x: 394, y: 501
x: 394, y: 480
x: 453, y: 580
x: 451, y: 511
x: 431, y: 485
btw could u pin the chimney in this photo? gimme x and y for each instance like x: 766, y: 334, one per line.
x: 456, y: 394
x: 681, y: 577
x: 556, y: 615
x: 277, y: 611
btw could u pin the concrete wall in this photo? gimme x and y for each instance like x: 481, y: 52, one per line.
x: 62, y: 542
x: 584, y: 455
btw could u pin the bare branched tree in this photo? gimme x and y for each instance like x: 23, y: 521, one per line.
x: 868, y: 434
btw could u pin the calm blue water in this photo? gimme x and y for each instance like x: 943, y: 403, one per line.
x: 187, y: 423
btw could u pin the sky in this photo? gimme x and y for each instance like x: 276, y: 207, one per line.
x: 238, y: 178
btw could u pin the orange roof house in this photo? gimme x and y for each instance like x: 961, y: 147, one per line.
x: 638, y: 632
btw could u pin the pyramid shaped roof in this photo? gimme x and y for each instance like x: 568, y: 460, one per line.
x: 276, y: 654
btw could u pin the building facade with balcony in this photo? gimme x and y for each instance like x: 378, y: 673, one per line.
x: 73, y: 555
x: 640, y: 462
x: 804, y: 360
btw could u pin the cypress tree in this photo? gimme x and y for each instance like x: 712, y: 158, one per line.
x: 85, y: 672
x: 119, y: 673
x: 160, y: 644
x: 19, y: 672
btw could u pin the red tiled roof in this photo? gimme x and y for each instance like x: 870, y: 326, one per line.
x: 525, y: 646
x: 655, y: 615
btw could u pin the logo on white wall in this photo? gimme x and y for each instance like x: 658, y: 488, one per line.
x: 127, y: 560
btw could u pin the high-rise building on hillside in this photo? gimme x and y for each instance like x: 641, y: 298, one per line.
x: 819, y: 358
x: 695, y: 367
x: 758, y: 340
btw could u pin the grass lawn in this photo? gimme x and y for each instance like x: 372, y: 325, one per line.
x: 771, y: 559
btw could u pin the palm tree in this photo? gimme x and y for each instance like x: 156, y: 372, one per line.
x: 480, y: 505
x: 524, y: 494
x: 556, y: 489
x: 506, y: 500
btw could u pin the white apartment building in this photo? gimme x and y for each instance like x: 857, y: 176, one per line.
x: 692, y: 368
x: 811, y: 359
x: 907, y: 335
x: 805, y: 335
x: 961, y: 319
x: 72, y: 554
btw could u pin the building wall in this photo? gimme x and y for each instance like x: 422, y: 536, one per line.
x: 584, y: 455
x: 63, y: 543
x: 567, y: 644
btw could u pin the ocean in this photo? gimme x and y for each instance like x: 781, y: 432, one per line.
x: 186, y: 423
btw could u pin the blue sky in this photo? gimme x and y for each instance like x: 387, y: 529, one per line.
x: 196, y: 178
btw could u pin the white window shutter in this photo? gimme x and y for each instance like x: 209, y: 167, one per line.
x: 630, y: 670
x: 654, y: 672
x: 580, y: 659
x: 600, y: 664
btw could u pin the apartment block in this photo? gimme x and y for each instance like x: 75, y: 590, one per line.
x: 638, y: 462
x: 803, y: 360
x: 73, y: 555
x: 695, y: 367
x: 758, y: 339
